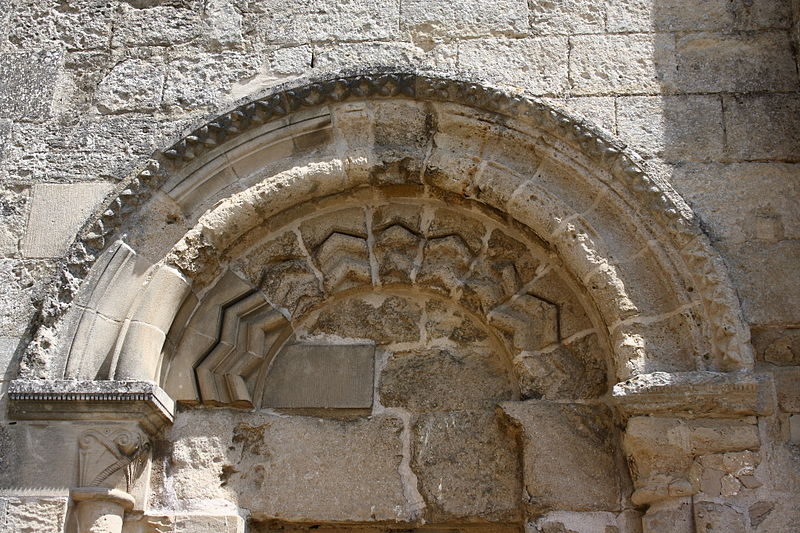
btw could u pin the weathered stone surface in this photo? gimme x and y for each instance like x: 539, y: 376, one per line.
x: 288, y: 22
x: 570, y: 17
x: 461, y: 20
x: 673, y: 515
x: 383, y: 320
x: 35, y: 25
x: 569, y: 371
x: 89, y: 149
x: 14, y: 209
x: 9, y: 356
x: 352, y: 55
x: 204, y: 81
x: 712, y: 516
x: 600, y: 110
x: 565, y: 446
x: 537, y: 63
x: 763, y: 274
x: 466, y: 464
x: 35, y: 515
x: 739, y: 62
x: 758, y: 127
x: 586, y: 522
x: 445, y: 379
x: 57, y: 212
x: 156, y: 25
x: 27, y: 82
x: 673, y: 127
x: 597, y: 67
x: 132, y: 85
x: 764, y: 193
x: 23, y: 283
x: 687, y: 15
x: 291, y: 468
x: 787, y: 385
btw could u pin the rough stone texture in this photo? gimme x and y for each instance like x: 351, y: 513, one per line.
x: 27, y: 82
x: 705, y: 91
x: 466, y: 464
x: 445, y: 22
x: 776, y: 138
x: 278, y: 464
x: 442, y: 379
x: 35, y: 515
x: 537, y: 64
x: 597, y: 68
x: 14, y: 208
x: 393, y: 319
x: 567, y: 445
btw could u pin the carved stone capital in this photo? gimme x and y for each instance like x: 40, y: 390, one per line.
x: 138, y: 401
x: 109, y: 455
x: 695, y: 395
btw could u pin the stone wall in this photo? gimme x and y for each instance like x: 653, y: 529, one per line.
x: 707, y: 93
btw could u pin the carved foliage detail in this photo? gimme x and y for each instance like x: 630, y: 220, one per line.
x: 107, y: 456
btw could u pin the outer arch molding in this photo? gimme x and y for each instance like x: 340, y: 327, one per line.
x: 653, y: 205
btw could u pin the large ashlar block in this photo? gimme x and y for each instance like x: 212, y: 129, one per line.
x: 294, y: 468
x: 597, y: 67
x: 737, y: 62
x: 759, y: 127
x: 685, y: 127
x: 32, y: 514
x: 427, y: 21
x: 537, y: 63
x: 567, y: 446
x: 690, y: 15
x: 467, y: 466
x: 321, y: 376
x: 443, y: 379
x: 57, y: 212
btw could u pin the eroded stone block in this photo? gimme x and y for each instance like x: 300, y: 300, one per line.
x: 567, y: 446
x: 27, y: 82
x: 445, y: 379
x: 383, y: 320
x: 466, y: 464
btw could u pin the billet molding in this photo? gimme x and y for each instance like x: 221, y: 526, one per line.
x: 140, y: 401
x: 656, y: 199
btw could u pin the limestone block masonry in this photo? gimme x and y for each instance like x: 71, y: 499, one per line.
x: 380, y: 267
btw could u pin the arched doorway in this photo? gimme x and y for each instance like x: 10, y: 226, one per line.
x: 341, y: 273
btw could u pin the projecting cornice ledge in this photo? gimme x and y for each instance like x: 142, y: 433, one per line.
x: 141, y: 401
x: 696, y: 394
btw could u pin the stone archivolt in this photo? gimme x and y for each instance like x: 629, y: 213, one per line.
x: 491, y: 248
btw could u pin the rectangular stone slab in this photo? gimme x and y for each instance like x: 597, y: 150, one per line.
x: 309, y: 376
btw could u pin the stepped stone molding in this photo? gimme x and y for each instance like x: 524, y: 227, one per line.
x: 662, y: 209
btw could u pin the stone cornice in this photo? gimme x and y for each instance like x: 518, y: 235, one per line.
x: 141, y: 401
x: 695, y: 395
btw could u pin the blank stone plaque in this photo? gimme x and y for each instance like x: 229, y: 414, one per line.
x: 313, y: 376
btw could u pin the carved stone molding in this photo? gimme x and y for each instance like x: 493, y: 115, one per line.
x: 655, y: 201
x: 695, y: 395
x: 140, y: 401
